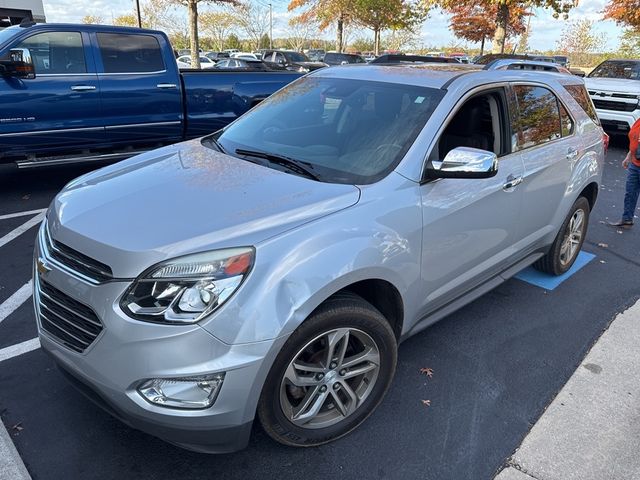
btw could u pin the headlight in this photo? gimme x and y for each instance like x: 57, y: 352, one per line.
x: 186, y: 289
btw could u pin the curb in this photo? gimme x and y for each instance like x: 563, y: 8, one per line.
x: 11, y: 465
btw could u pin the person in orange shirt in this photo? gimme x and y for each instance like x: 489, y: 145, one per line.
x: 632, y: 164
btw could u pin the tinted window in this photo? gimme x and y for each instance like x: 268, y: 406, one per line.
x: 348, y: 131
x: 580, y: 95
x: 56, y: 52
x: 617, y: 69
x: 297, y: 57
x: 122, y: 53
x: 539, y: 116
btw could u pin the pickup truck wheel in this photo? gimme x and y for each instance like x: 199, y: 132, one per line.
x: 567, y: 245
x: 330, y: 375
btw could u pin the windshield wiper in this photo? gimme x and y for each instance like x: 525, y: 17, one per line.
x: 287, y: 162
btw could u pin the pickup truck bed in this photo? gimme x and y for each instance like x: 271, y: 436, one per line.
x: 106, y: 93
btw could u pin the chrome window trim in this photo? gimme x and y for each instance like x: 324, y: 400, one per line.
x: 133, y: 73
x: 47, y: 75
x: 150, y: 124
x: 39, y: 132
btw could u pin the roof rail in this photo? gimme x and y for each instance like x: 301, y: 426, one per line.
x: 394, y: 58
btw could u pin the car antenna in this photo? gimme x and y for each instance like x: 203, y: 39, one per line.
x: 27, y: 22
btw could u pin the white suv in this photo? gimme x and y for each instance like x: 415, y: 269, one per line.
x: 614, y: 86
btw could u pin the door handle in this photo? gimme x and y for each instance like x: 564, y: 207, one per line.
x: 512, y: 182
x: 167, y: 85
x: 572, y: 153
x: 82, y: 88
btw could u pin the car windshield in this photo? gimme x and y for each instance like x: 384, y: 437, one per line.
x: 345, y: 130
x: 297, y: 57
x: 618, y: 69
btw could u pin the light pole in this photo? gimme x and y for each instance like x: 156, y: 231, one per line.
x: 138, y: 12
x: 270, y: 26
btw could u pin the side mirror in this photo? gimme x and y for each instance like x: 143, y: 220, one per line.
x: 465, y: 162
x: 18, y: 64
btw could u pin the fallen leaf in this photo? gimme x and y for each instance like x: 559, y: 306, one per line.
x: 26, y: 197
x: 603, y: 245
x: 620, y: 232
x: 426, y: 403
x: 427, y: 371
x: 18, y: 427
x: 602, y: 261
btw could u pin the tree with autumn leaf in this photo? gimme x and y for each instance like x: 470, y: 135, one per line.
x: 326, y: 13
x: 379, y: 15
x: 505, y: 9
x: 624, y: 12
x: 477, y: 22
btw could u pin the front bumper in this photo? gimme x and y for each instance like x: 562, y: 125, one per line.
x: 617, y: 122
x: 127, y: 352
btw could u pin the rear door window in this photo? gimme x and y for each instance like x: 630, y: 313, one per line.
x: 580, y: 95
x: 130, y: 53
x: 56, y: 52
x: 538, y: 119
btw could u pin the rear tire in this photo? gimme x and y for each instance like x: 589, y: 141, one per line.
x: 568, y: 243
x: 320, y: 364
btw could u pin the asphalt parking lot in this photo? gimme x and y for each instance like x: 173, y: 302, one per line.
x: 496, y: 365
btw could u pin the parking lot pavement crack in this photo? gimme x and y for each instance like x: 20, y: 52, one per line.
x: 513, y: 464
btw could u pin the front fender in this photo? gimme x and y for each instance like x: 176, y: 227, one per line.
x: 379, y: 238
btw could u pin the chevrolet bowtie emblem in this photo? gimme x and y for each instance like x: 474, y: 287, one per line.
x: 42, y: 266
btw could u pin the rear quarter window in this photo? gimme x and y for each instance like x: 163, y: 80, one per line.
x: 130, y: 53
x: 580, y: 95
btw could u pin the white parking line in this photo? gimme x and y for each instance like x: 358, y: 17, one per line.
x: 21, y: 229
x: 14, y: 301
x: 21, y: 214
x: 18, y: 349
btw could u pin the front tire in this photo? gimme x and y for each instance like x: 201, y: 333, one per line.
x: 330, y: 375
x: 568, y: 243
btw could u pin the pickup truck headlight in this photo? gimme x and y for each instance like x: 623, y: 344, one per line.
x: 186, y: 289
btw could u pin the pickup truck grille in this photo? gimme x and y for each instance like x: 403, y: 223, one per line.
x: 613, y: 105
x: 72, y: 323
x: 76, y: 261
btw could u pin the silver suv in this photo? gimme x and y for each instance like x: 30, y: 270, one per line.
x: 273, y: 267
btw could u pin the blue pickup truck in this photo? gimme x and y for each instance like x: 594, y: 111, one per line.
x: 91, y: 92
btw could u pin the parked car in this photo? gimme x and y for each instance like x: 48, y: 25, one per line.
x: 91, y: 92
x: 334, y: 58
x: 216, y: 56
x: 511, y: 64
x: 408, y: 59
x: 271, y: 269
x: 316, y: 54
x: 290, y: 60
x: 245, y: 64
x: 614, y: 86
x: 562, y: 60
x: 185, y: 62
x: 244, y: 55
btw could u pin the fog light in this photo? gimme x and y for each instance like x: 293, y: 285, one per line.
x: 189, y: 392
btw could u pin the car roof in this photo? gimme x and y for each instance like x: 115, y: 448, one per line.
x: 438, y: 75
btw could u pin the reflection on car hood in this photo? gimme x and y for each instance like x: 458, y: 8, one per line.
x: 613, y: 84
x: 182, y: 199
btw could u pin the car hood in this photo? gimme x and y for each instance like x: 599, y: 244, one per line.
x: 612, y: 85
x: 311, y: 65
x: 182, y: 199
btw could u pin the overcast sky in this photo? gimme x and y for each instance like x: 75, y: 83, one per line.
x: 545, y: 30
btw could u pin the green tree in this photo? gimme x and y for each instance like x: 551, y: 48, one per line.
x: 629, y: 44
x: 253, y: 19
x: 233, y: 41
x: 325, y: 13
x: 579, y: 41
x: 362, y: 44
x: 380, y: 15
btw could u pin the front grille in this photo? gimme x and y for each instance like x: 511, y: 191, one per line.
x: 613, y: 105
x: 74, y: 324
x: 76, y: 261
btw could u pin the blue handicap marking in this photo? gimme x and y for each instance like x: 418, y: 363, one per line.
x: 549, y: 282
